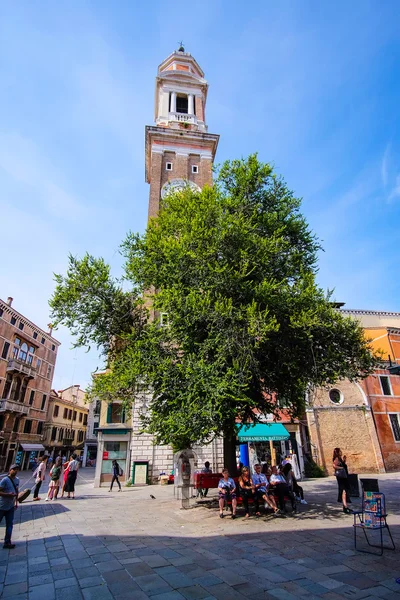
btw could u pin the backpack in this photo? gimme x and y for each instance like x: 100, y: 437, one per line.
x: 120, y: 471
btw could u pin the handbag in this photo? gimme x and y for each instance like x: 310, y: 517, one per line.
x: 341, y: 473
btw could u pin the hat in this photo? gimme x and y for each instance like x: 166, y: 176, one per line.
x: 15, y: 467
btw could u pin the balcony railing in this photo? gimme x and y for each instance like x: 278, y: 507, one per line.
x: 20, y: 366
x: 17, y: 407
x: 182, y: 117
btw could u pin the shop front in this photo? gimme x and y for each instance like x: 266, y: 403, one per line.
x: 28, y: 454
x: 113, y: 444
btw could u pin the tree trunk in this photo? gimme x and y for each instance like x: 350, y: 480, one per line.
x: 230, y: 455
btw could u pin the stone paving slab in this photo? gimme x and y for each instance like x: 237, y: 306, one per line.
x: 106, y: 546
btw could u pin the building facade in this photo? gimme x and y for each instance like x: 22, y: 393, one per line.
x: 27, y: 360
x: 66, y: 424
x: 362, y: 418
x: 90, y: 447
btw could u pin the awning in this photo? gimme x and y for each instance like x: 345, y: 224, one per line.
x: 32, y: 447
x: 262, y: 432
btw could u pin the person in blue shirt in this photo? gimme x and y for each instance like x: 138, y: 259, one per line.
x: 226, y: 491
x: 8, y: 502
x: 260, y: 483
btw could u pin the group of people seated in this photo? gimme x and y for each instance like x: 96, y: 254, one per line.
x: 264, y: 485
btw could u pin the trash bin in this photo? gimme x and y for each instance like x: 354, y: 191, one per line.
x: 354, y: 487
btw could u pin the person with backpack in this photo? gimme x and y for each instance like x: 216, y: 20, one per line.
x: 116, y: 473
x: 55, y: 474
x: 9, y: 502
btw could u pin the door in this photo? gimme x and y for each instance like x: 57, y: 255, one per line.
x: 10, y: 458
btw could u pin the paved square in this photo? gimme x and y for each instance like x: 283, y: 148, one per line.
x: 125, y: 545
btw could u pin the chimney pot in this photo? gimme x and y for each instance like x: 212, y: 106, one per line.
x: 50, y: 326
x: 10, y: 300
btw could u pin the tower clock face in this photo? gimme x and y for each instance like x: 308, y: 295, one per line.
x: 178, y: 185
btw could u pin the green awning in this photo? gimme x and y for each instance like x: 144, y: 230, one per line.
x: 262, y: 432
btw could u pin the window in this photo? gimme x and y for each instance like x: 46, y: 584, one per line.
x: 16, y: 423
x: 60, y: 435
x: 56, y: 410
x: 85, y: 419
x: 35, y: 335
x: 385, y: 385
x: 53, y: 347
x: 70, y: 414
x: 65, y: 413
x: 115, y: 414
x: 1, y: 312
x: 23, y: 352
x: 31, y: 397
x: 168, y: 166
x: 53, y: 434
x: 13, y: 320
x: 42, y: 340
x: 195, y: 169
x: 38, y: 364
x: 73, y: 434
x: 182, y: 104
x: 39, y: 427
x: 164, y: 321
x: 16, y: 388
x: 336, y: 396
x: 21, y: 326
x: 23, y: 390
x: 7, y: 386
x: 395, y: 423
x: 27, y: 426
x: 6, y: 348
x: 43, y: 402
x: 74, y: 416
x: 95, y: 428
x: 80, y: 417
x: 49, y: 371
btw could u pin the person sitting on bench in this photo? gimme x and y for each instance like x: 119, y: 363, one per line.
x: 292, y: 482
x: 279, y: 485
x: 207, y: 471
x: 226, y: 491
x: 246, y: 489
x: 260, y: 483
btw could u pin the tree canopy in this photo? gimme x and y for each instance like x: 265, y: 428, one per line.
x: 232, y: 269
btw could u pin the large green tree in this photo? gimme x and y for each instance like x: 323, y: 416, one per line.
x: 234, y: 269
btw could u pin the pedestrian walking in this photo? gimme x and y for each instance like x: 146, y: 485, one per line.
x: 73, y: 467
x: 9, y: 502
x: 341, y: 474
x: 54, y: 485
x: 116, y: 473
x: 40, y: 477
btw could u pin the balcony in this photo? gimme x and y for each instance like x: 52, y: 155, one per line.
x: 68, y: 441
x: 15, y: 407
x: 182, y: 118
x: 19, y: 366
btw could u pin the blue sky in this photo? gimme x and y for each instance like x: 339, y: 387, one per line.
x: 312, y: 86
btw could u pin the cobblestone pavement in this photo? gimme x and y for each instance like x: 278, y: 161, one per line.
x: 126, y: 545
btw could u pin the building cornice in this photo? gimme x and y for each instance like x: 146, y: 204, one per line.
x: 351, y: 311
x: 9, y: 309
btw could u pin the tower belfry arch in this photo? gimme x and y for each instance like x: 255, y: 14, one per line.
x: 178, y: 147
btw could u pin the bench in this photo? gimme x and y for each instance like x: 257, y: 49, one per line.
x: 210, y: 481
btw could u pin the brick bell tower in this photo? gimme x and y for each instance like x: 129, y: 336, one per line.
x: 179, y: 151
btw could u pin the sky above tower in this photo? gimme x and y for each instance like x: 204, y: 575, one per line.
x: 312, y: 87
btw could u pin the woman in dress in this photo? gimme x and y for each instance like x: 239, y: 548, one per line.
x: 65, y: 464
x: 341, y: 474
x: 55, y: 474
x: 73, y: 467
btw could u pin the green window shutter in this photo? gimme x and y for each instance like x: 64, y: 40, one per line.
x: 109, y: 413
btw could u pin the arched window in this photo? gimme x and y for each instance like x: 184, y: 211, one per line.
x: 23, y: 352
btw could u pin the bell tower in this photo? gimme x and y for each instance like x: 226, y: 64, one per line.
x: 179, y: 150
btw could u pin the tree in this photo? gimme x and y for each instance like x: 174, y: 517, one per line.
x: 234, y: 268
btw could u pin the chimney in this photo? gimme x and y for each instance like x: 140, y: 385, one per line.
x: 10, y: 301
x: 50, y: 326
